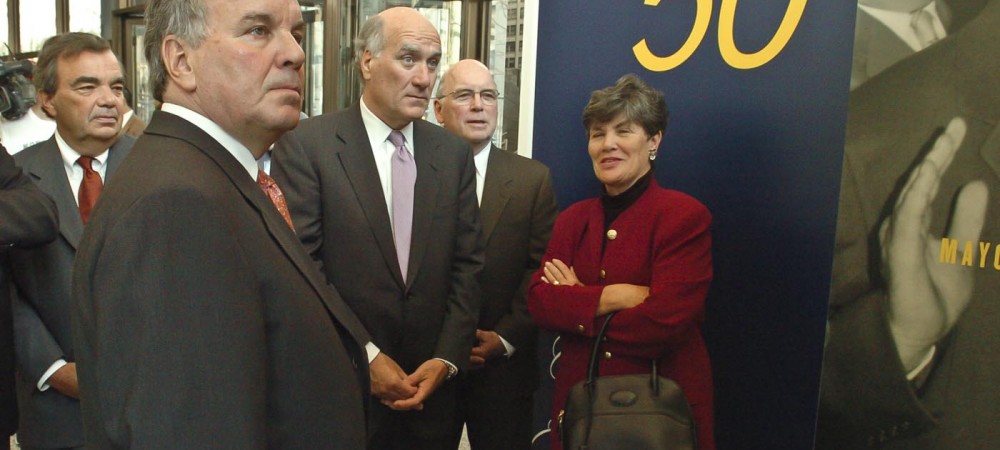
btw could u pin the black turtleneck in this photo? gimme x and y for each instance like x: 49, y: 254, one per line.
x: 614, y: 205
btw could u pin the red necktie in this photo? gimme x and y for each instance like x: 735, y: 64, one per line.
x: 90, y: 187
x: 273, y: 192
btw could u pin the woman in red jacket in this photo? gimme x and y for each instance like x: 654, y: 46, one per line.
x: 638, y: 249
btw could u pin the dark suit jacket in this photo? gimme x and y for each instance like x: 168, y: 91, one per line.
x: 518, y: 210
x: 877, y: 48
x: 28, y: 218
x: 327, y: 171
x: 199, y: 320
x: 42, y: 298
x: 866, y: 399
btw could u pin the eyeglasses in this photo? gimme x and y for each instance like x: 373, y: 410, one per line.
x: 465, y: 96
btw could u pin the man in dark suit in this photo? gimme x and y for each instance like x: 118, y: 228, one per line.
x: 402, y: 248
x: 912, y: 356
x: 517, y: 208
x: 27, y: 217
x: 79, y: 83
x: 199, y: 319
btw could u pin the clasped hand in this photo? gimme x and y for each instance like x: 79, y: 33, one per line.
x: 397, y: 390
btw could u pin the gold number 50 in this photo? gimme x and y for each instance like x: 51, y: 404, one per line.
x: 727, y: 46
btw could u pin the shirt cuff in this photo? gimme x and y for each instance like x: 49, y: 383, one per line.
x: 43, y: 383
x: 452, y: 369
x: 372, y: 351
x: 506, y: 345
x: 913, y: 374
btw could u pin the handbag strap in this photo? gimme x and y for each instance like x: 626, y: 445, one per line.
x: 593, y: 371
x: 593, y: 366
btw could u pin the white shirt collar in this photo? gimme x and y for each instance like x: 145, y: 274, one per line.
x: 378, y: 131
x: 899, y: 22
x: 482, y: 158
x: 70, y: 156
x: 233, y: 146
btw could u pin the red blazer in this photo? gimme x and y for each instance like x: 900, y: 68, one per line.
x: 661, y: 241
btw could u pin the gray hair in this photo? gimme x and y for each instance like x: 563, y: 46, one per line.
x: 370, y: 38
x: 185, y: 19
x: 67, y: 45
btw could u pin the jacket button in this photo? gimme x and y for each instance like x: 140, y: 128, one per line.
x: 607, y: 355
x: 580, y: 328
x: 612, y: 234
x: 603, y: 274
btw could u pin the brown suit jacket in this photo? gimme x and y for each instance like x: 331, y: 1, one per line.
x: 199, y: 319
x: 134, y: 127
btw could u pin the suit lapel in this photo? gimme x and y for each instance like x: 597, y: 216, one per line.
x: 880, y: 47
x: 424, y: 196
x: 359, y: 164
x: 496, y: 191
x: 49, y: 173
x: 173, y: 126
x: 117, y: 154
x: 988, y: 150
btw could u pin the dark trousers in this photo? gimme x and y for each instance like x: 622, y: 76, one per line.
x: 496, y: 408
x: 429, y: 429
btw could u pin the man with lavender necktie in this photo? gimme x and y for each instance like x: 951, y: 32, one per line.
x: 386, y: 202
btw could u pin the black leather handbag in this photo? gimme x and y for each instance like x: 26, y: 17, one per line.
x: 626, y: 412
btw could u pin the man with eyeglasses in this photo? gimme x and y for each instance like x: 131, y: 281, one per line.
x: 518, y: 209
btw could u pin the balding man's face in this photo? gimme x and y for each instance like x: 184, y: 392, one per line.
x: 468, y: 106
x: 398, y: 82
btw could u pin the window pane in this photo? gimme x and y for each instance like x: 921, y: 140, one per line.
x: 4, y: 30
x: 313, y: 47
x: 506, y: 33
x: 38, y: 23
x: 85, y: 15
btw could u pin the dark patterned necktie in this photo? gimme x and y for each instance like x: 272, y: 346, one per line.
x: 273, y: 192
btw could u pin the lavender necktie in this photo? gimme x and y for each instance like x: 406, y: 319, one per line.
x: 404, y: 176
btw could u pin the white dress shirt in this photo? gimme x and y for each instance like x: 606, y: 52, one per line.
x: 900, y: 23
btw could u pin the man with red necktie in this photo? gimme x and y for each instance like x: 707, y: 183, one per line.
x: 80, y: 85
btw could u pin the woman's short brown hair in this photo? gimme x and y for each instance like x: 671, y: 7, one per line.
x: 631, y: 97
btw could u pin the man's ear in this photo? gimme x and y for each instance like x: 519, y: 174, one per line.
x: 366, y: 61
x: 177, y: 63
x: 438, y: 111
x: 45, y: 101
